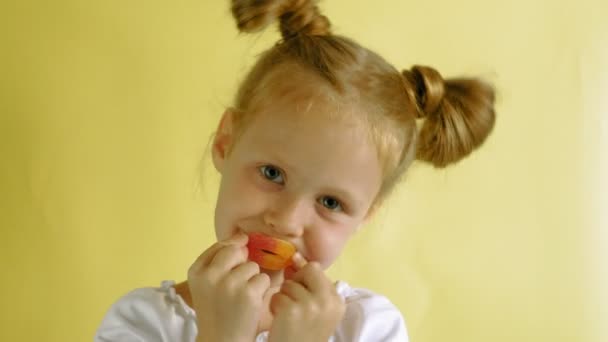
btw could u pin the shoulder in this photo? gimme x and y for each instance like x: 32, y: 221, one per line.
x: 369, y: 317
x: 147, y: 314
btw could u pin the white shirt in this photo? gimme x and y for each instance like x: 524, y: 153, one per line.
x: 161, y: 315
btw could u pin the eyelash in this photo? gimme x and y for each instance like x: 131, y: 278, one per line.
x: 264, y: 168
x: 340, y: 206
x: 263, y: 172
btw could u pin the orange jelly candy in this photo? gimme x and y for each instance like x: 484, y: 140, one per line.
x: 270, y: 253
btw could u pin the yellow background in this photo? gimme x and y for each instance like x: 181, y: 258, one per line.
x: 106, y: 108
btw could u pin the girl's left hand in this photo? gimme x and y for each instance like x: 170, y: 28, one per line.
x: 307, y: 307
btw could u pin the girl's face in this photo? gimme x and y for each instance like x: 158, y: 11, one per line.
x: 296, y: 175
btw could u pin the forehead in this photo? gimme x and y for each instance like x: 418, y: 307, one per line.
x: 317, y: 141
x: 311, y: 134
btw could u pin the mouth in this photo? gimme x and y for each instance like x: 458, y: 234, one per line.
x: 269, y: 252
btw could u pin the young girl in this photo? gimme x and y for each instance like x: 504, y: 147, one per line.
x: 321, y: 130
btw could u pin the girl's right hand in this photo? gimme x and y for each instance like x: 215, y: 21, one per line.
x: 227, y: 292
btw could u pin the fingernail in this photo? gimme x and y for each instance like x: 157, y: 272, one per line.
x: 299, y: 260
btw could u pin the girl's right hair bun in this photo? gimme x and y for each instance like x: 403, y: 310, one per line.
x: 459, y: 115
x: 429, y: 88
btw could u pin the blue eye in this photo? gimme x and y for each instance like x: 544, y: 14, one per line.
x: 331, y: 203
x: 272, y: 173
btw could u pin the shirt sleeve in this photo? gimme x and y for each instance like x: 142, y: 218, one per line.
x: 371, y: 318
x: 146, y: 315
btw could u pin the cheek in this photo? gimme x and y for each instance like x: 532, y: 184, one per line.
x: 238, y: 199
x: 325, y: 245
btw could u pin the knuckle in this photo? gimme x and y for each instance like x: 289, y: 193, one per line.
x: 293, y: 312
x: 196, y: 271
x: 224, y: 250
x: 315, y: 308
x: 233, y: 248
x: 287, y: 285
x: 212, y: 275
x: 228, y: 285
x: 265, y: 279
x: 331, y: 303
x: 313, y: 270
x: 254, y: 266
x: 230, y: 249
x: 251, y: 294
x: 238, y: 249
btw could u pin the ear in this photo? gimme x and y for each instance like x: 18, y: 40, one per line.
x: 222, y: 142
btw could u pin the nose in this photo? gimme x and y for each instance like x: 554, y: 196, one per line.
x: 287, y: 217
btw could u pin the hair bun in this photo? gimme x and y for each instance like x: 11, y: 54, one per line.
x: 429, y: 86
x: 459, y: 114
x: 303, y: 16
x: 296, y: 16
x: 253, y: 16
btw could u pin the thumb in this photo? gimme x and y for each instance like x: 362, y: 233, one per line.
x: 297, y: 263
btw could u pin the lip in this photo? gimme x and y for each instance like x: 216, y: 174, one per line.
x: 269, y: 252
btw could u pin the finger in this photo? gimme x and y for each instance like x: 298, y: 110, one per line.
x: 243, y: 272
x: 298, y: 261
x: 205, y: 258
x: 228, y: 257
x: 312, y: 277
x: 279, y: 301
x: 260, y: 282
x: 239, y: 239
x: 296, y: 291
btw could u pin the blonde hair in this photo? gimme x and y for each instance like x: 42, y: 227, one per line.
x: 458, y: 113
